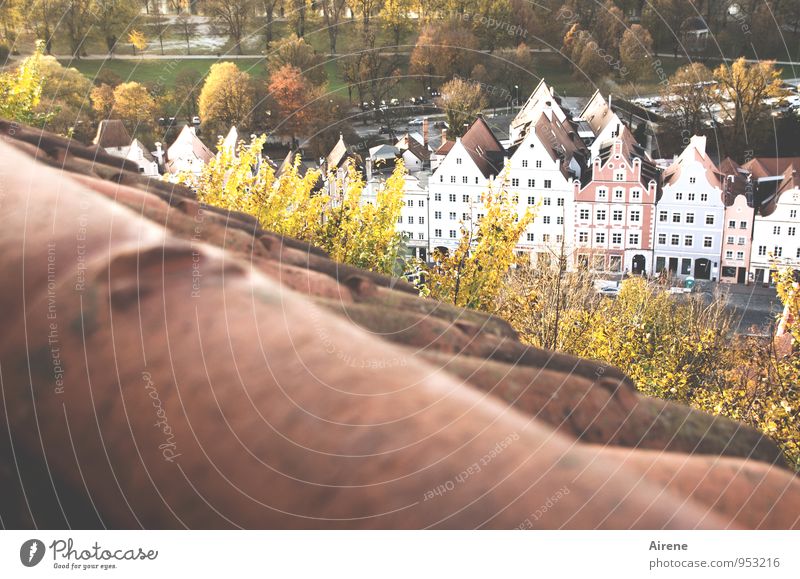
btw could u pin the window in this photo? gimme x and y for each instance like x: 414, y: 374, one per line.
x: 619, y: 175
x: 465, y: 179
x: 675, y: 239
x: 599, y: 237
x: 546, y: 201
x: 633, y: 239
x: 437, y: 232
x: 676, y: 217
x: 690, y: 218
x: 686, y: 266
x: 400, y: 219
x: 480, y: 216
x: 452, y: 216
x: 792, y: 213
x: 776, y: 230
x: 452, y: 178
x: 560, y: 220
x: 420, y: 236
x: 616, y: 238
x: 437, y: 214
x: 743, y: 225
x: 615, y: 263
x: 437, y: 196
x: 636, y: 216
x: 729, y: 239
x: 679, y: 196
x: 636, y: 194
x: 546, y: 237
x: 531, y: 200
x: 703, y: 197
x: 441, y: 178
x: 662, y: 216
x: 452, y: 197
x: 538, y: 164
x: 524, y: 162
x: 421, y: 203
x: 559, y: 238
x: 601, y: 193
x: 692, y: 180
x: 709, y: 220
x: 740, y: 241
x: 777, y: 251
x: 410, y: 203
x: 729, y: 254
x: 530, y: 236
x: 583, y: 214
x: 708, y: 241
x: 560, y: 202
x: 583, y: 236
x: 662, y: 238
x: 601, y: 214
x: 465, y: 217
x: 616, y: 215
x: 465, y: 198
x: 691, y: 196
x: 422, y: 221
x: 740, y: 255
x: 458, y: 160
x: 531, y: 182
x: 546, y: 220
x: 411, y: 220
x: 688, y: 240
x: 476, y: 180
x: 791, y: 230
x: 515, y: 182
x: 731, y: 224
x: 619, y: 194
x: 548, y: 183
x: 798, y: 253
x: 452, y: 234
x: 762, y: 250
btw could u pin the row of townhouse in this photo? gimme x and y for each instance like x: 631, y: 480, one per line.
x: 601, y: 202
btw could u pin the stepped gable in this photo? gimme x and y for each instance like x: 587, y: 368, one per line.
x: 295, y: 392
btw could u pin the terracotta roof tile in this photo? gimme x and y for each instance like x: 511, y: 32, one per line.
x: 304, y: 393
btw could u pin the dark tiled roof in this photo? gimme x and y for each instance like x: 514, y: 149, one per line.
x: 409, y: 143
x: 292, y: 391
x: 484, y: 148
x: 111, y: 133
x: 633, y: 150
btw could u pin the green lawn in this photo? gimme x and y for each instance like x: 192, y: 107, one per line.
x: 159, y: 71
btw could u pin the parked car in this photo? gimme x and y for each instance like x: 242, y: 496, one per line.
x: 440, y: 125
x: 384, y: 131
x: 415, y: 122
x: 195, y: 120
x: 394, y: 102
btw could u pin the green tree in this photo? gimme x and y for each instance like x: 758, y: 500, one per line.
x: 635, y: 54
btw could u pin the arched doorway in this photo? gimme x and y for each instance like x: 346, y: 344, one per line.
x: 702, y: 268
x: 638, y: 264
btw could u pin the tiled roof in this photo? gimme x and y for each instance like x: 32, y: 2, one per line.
x: 112, y: 133
x: 597, y: 113
x: 409, y: 143
x: 289, y: 391
x: 631, y: 150
x: 484, y: 148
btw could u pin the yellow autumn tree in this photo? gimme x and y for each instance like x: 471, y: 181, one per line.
x: 21, y: 90
x: 226, y: 99
x: 472, y: 274
x: 335, y: 217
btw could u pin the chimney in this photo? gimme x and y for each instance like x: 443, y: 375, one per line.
x: 444, y: 135
x: 425, y: 131
x: 368, y: 166
x: 609, y: 100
